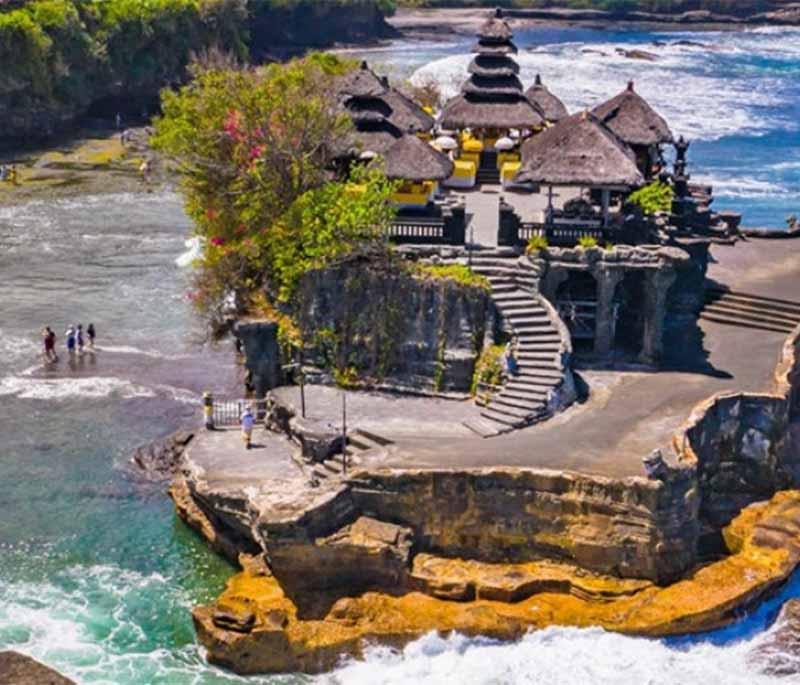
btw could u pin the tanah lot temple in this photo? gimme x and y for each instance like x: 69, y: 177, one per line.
x: 634, y: 465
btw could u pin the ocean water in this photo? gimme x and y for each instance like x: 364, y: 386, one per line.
x: 734, y: 94
x: 97, y: 577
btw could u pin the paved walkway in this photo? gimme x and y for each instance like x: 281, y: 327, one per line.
x: 483, y: 212
x: 631, y: 414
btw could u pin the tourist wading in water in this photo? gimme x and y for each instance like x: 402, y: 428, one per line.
x: 70, y: 335
x: 79, y: 338
x: 248, y: 422
x: 49, y: 345
x: 90, y: 333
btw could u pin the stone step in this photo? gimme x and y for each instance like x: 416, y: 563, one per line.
x: 519, y: 413
x: 484, y: 427
x: 502, y: 418
x: 759, y: 316
x: 754, y: 307
x: 790, y: 306
x: 532, y: 387
x: 730, y: 321
x: 539, y: 377
x: 538, y: 328
x: 525, y: 405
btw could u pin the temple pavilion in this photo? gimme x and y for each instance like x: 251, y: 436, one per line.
x: 389, y: 129
x: 580, y: 152
x: 490, y: 108
x: 636, y: 123
x: 548, y: 104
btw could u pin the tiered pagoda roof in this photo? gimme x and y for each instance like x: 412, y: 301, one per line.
x: 633, y: 119
x: 368, y: 97
x: 551, y: 107
x: 385, y: 122
x: 492, y: 96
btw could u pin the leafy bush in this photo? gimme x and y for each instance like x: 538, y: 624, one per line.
x: 535, y: 244
x: 459, y: 273
x: 587, y: 241
x: 253, y: 148
x: 654, y: 198
x: 488, y: 368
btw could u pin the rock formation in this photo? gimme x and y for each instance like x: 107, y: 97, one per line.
x: 18, y: 669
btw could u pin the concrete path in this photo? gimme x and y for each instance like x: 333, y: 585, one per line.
x: 483, y: 210
x: 631, y: 414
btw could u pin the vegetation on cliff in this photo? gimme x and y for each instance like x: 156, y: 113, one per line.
x: 653, y: 198
x: 60, y: 56
x: 254, y: 148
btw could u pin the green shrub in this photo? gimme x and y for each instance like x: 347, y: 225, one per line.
x: 488, y: 368
x: 458, y: 273
x: 535, y: 244
x: 587, y: 241
x: 654, y: 198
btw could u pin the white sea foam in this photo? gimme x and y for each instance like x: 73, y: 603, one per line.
x: 28, y: 388
x: 698, y: 100
x: 194, y: 250
x: 14, y: 348
x: 556, y: 656
x: 130, y: 349
x: 741, y: 186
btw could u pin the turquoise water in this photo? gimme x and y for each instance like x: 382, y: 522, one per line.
x: 96, y: 575
x: 736, y: 95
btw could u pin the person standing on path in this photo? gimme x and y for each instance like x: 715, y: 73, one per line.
x: 90, y: 333
x: 79, y: 338
x: 49, y: 345
x: 248, y: 422
x: 70, y: 334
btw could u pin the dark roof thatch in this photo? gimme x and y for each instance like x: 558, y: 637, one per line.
x: 372, y: 136
x: 553, y: 109
x: 496, y: 29
x: 578, y: 151
x: 361, y: 82
x: 491, y: 86
x: 406, y: 114
x: 465, y: 111
x: 364, y: 109
x: 488, y: 65
x: 633, y: 120
x: 499, y: 49
x: 412, y: 159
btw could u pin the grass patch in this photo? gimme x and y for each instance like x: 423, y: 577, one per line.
x: 456, y: 273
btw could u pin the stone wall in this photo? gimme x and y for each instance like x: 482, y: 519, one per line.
x: 740, y: 444
x: 262, y: 358
x: 634, y: 528
x: 392, y: 328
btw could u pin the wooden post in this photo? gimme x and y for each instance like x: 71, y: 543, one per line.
x: 208, y: 410
x: 344, y: 432
x: 606, y: 195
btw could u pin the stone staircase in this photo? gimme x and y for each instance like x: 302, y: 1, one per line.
x: 358, y: 441
x: 750, y: 311
x: 487, y: 173
x: 529, y: 396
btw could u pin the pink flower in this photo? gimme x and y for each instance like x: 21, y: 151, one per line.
x: 216, y: 241
x: 233, y: 125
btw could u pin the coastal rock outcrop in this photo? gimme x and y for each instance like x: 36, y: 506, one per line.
x: 19, y: 669
x: 268, y: 634
x: 779, y: 654
x: 161, y: 459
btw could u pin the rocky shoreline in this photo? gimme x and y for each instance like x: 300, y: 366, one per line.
x: 427, y: 23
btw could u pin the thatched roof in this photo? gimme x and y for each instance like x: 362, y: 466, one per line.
x: 412, y: 159
x: 406, y: 114
x: 578, y: 151
x: 633, y: 119
x: 467, y: 111
x: 361, y: 82
x: 372, y: 136
x: 553, y: 109
x: 489, y: 86
x: 489, y: 65
x: 366, y: 109
x: 498, y: 49
x: 496, y: 29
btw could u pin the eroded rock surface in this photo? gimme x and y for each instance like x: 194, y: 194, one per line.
x: 779, y: 654
x: 255, y: 627
x: 18, y: 669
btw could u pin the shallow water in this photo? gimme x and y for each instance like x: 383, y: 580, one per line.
x: 96, y: 575
x: 735, y: 94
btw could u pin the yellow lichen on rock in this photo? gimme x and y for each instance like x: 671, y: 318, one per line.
x: 254, y: 627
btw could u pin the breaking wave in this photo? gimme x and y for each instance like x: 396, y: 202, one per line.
x: 27, y: 388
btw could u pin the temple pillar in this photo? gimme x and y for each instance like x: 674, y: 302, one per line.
x: 607, y: 281
x: 657, y: 284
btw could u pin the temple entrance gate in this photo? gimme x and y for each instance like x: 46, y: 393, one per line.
x: 629, y: 314
x: 576, y: 302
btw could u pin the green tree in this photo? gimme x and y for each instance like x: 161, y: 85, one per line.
x: 254, y: 148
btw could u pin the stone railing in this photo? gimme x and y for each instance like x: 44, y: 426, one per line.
x: 739, y: 443
x: 448, y: 229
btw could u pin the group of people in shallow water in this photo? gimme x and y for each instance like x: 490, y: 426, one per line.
x: 76, y: 339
